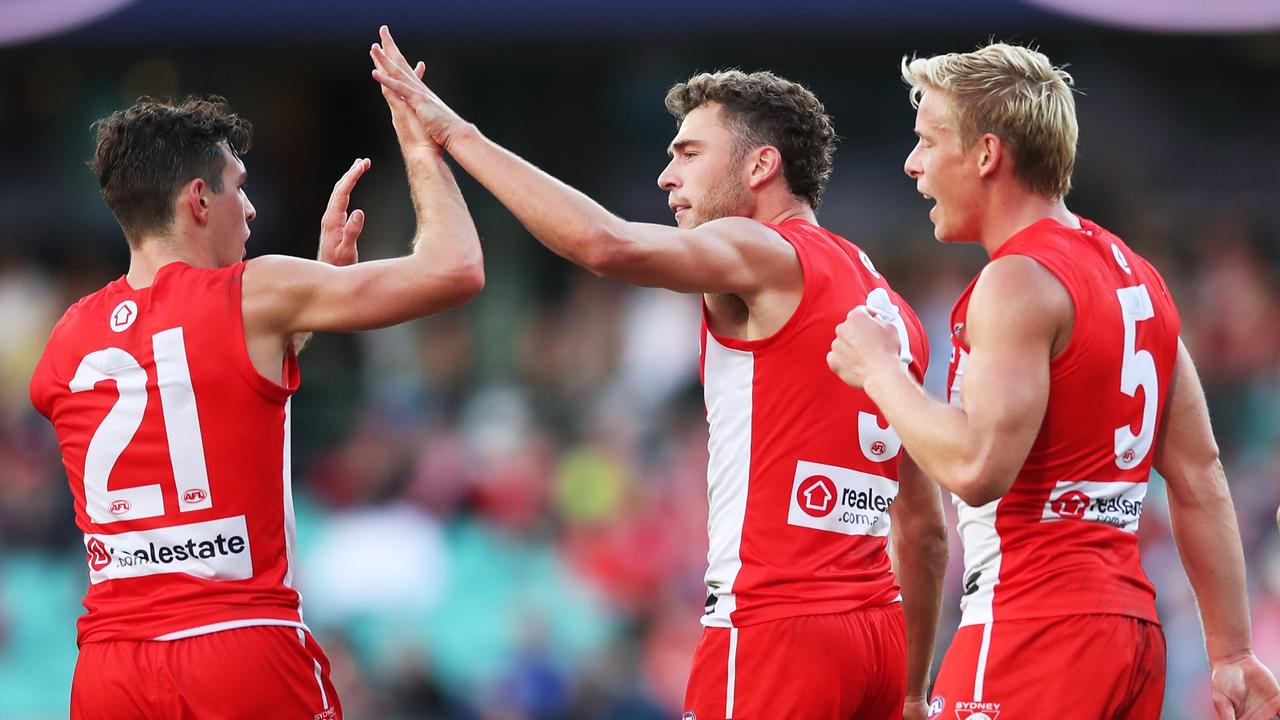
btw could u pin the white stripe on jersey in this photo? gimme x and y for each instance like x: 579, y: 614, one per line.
x: 979, y: 678
x: 733, y: 674
x: 290, y: 523
x: 982, y: 559
x: 230, y: 625
x: 324, y: 696
x: 729, y: 380
x: 977, y: 529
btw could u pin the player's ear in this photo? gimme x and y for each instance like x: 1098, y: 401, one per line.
x: 990, y: 153
x: 194, y: 200
x: 766, y: 163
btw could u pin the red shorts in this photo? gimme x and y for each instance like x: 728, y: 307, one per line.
x: 813, y: 667
x: 241, y: 674
x: 1081, y: 667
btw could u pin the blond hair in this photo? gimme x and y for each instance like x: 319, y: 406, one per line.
x: 1014, y: 93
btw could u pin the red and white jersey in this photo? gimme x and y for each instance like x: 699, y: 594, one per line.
x: 1063, y: 540
x: 177, y: 452
x: 802, y: 467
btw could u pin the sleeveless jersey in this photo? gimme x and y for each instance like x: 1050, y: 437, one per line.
x: 1063, y: 540
x: 177, y: 452
x: 802, y: 467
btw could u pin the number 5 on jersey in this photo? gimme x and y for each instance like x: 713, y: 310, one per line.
x: 1137, y: 370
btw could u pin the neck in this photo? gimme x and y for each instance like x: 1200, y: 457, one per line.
x: 154, y: 252
x: 1012, y: 213
x: 790, y: 209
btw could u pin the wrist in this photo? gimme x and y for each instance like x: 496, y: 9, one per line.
x: 881, y: 375
x: 1230, y: 658
x: 457, y: 135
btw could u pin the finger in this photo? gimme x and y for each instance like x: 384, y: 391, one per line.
x: 1223, y: 708
x: 342, y: 189
x: 355, y: 226
x: 394, y: 84
x: 383, y: 61
x: 393, y: 50
x: 420, y: 69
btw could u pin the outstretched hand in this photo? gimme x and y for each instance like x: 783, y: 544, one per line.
x: 403, y: 80
x: 1244, y: 689
x: 340, y: 230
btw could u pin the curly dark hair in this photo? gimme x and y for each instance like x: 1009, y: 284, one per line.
x: 149, y: 150
x: 765, y: 109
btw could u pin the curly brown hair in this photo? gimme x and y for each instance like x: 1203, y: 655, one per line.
x: 148, y: 151
x: 765, y: 109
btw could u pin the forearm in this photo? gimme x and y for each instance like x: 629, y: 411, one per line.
x: 920, y: 569
x: 936, y: 434
x: 446, y: 237
x: 1208, y: 539
x: 568, y: 222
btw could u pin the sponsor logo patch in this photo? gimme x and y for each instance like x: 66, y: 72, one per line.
x: 123, y: 315
x: 836, y: 499
x: 977, y: 710
x: 216, y: 550
x: 1118, y: 504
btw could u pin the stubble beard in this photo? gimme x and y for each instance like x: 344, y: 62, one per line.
x: 727, y: 198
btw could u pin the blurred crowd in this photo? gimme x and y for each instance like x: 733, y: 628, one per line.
x: 502, y: 510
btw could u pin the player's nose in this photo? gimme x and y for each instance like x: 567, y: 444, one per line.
x: 667, y: 179
x: 912, y: 166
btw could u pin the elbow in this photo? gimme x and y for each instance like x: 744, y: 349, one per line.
x: 457, y: 287
x: 607, y: 251
x: 977, y: 485
x: 471, y: 280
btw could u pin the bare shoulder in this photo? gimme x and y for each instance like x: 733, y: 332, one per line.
x: 744, y: 231
x: 1018, y: 283
x: 1017, y: 294
x: 272, y: 286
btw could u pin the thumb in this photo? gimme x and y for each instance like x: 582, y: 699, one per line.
x: 354, y: 226
x: 1222, y: 707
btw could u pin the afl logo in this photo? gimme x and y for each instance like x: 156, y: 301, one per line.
x: 1120, y: 259
x: 124, y: 315
x: 120, y: 507
x: 192, y: 497
x: 817, y: 496
x: 878, y: 448
x: 99, y: 554
x: 866, y: 262
x: 1071, y: 505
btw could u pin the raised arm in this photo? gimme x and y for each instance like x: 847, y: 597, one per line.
x: 730, y: 255
x: 283, y: 295
x: 919, y: 550
x: 1208, y: 539
x: 976, y: 450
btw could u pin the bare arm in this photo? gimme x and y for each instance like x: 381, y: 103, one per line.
x: 1208, y: 539
x: 730, y: 255
x: 920, y: 562
x: 976, y: 450
x: 339, y: 231
x: 283, y: 295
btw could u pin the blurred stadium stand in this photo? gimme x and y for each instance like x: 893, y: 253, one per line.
x: 502, y: 509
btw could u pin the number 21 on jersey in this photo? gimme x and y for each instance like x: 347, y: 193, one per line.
x: 113, y: 435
